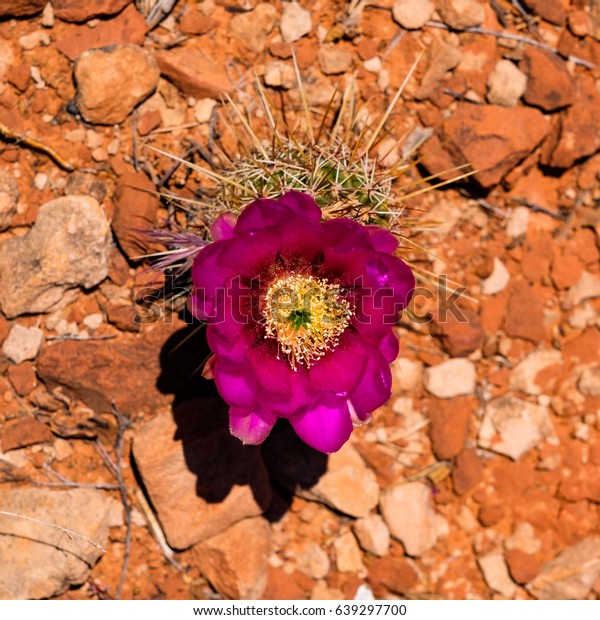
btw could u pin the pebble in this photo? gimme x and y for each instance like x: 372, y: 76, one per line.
x: 112, y: 81
x: 34, y: 39
x: 47, y: 20
x: 512, y: 426
x: 23, y: 343
x: 571, y: 574
x: 21, y: 8
x: 518, y: 222
x: 461, y: 14
x: 524, y: 375
x: 412, y: 15
x: 186, y: 466
x: 373, y: 65
x: 449, y: 424
x: 459, y: 335
x: 312, y: 560
x: 235, y: 562
x: 279, y: 74
x: 407, y: 374
x: 408, y: 512
x: 454, y: 377
x: 77, y: 11
x: 549, y: 83
x: 589, y: 382
x: 21, y: 432
x: 588, y: 287
x: 552, y: 11
x: 373, y: 534
x: 40, y: 180
x: 348, y: 558
x: 333, y: 60
x: 253, y: 28
x: 9, y: 196
x: 497, y: 281
x: 522, y: 566
x: 39, y: 562
x: 495, y: 573
x: 524, y: 314
x: 467, y: 472
x: 67, y: 247
x: 443, y: 57
x: 506, y: 84
x: 296, y: 22
x: 93, y: 321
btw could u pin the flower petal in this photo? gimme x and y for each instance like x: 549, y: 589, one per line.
x: 222, y: 227
x: 250, y: 427
x: 390, y: 347
x: 302, y: 205
x: 263, y: 213
x: 325, y: 427
x: 375, y: 388
x: 236, y: 384
x: 382, y: 239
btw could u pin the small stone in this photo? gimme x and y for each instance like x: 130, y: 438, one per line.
x: 333, y: 60
x: 62, y: 449
x: 549, y: 84
x: 408, y: 374
x: 347, y: 485
x: 525, y: 315
x: 397, y: 575
x: 506, y: 84
x: 22, y: 377
x: 322, y: 592
x: 496, y: 575
x: 112, y: 81
x: 296, y: 22
x: 9, y: 195
x: 34, y: 39
x: 459, y: 336
x: 412, y: 15
x: 21, y: 8
x: 93, y: 321
x: 588, y: 287
x: 518, y: 222
x: 279, y: 74
x: 18, y: 433
x: 524, y: 539
x: 196, y: 24
x: 67, y: 247
x: 522, y: 567
x: 461, y: 14
x: 512, y: 426
x: 203, y: 110
x: 373, y: 65
x: 23, y: 343
x: 571, y: 574
x: 454, y: 377
x: 235, y: 562
x: 193, y: 72
x: 467, y: 472
x: 490, y: 515
x: 39, y: 562
x: 348, y: 558
x: 497, y: 280
x: 40, y: 180
x: 200, y: 479
x: 252, y: 28
x: 449, y: 426
x: 373, y: 534
x: 552, y: 11
x: 77, y: 11
x: 312, y: 560
x: 524, y: 375
x: 47, y: 20
x: 579, y: 23
x: 443, y: 57
x: 409, y: 513
x: 589, y: 382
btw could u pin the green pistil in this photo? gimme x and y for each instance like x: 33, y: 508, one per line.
x: 299, y: 318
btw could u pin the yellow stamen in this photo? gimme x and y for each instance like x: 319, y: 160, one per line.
x: 306, y: 316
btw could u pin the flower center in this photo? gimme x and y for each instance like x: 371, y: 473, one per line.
x: 306, y: 316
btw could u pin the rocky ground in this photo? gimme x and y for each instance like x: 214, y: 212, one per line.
x: 480, y: 479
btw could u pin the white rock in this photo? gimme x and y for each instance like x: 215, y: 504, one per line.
x: 312, y: 560
x: 571, y: 574
x: 373, y: 534
x: 454, y: 377
x: 460, y: 14
x: 93, y: 321
x: 47, y: 20
x: 506, y: 84
x: 589, y: 382
x: 524, y: 539
x: 407, y: 374
x: 583, y: 317
x: 588, y: 287
x: 512, y: 426
x: 279, y: 74
x: 9, y: 195
x: 348, y: 558
x: 495, y: 573
x: 203, y: 110
x: 412, y: 15
x: 497, y: 280
x: 23, y: 343
x: 522, y: 378
x: 296, y: 22
x: 518, y: 222
x: 40, y: 180
x: 334, y: 60
x: 364, y: 593
x: 409, y: 513
x: 373, y: 65
x: 253, y: 27
x: 67, y: 247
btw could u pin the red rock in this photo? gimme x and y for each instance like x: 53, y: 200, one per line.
x: 493, y: 139
x: 579, y: 23
x: 522, y: 566
x: 549, y: 84
x: 22, y: 377
x: 236, y: 561
x: 194, y: 74
x: 537, y: 256
x: 19, y: 76
x: 77, y: 11
x: 283, y: 587
x: 566, y: 271
x: 583, y: 349
x: 449, y: 425
x: 99, y: 373
x: 148, y: 122
x: 21, y: 8
x: 195, y: 23
x: 583, y: 245
x: 552, y: 11
x: 136, y: 208
x: 459, y: 338
x: 129, y: 27
x: 442, y: 58
x: 200, y: 479
x: 581, y: 484
x: 525, y: 314
x: 391, y: 574
x: 577, y: 520
x: 467, y: 472
x: 490, y: 515
x: 579, y: 128
x: 123, y: 317
x: 24, y: 432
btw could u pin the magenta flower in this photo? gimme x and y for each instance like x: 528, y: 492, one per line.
x: 300, y: 316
